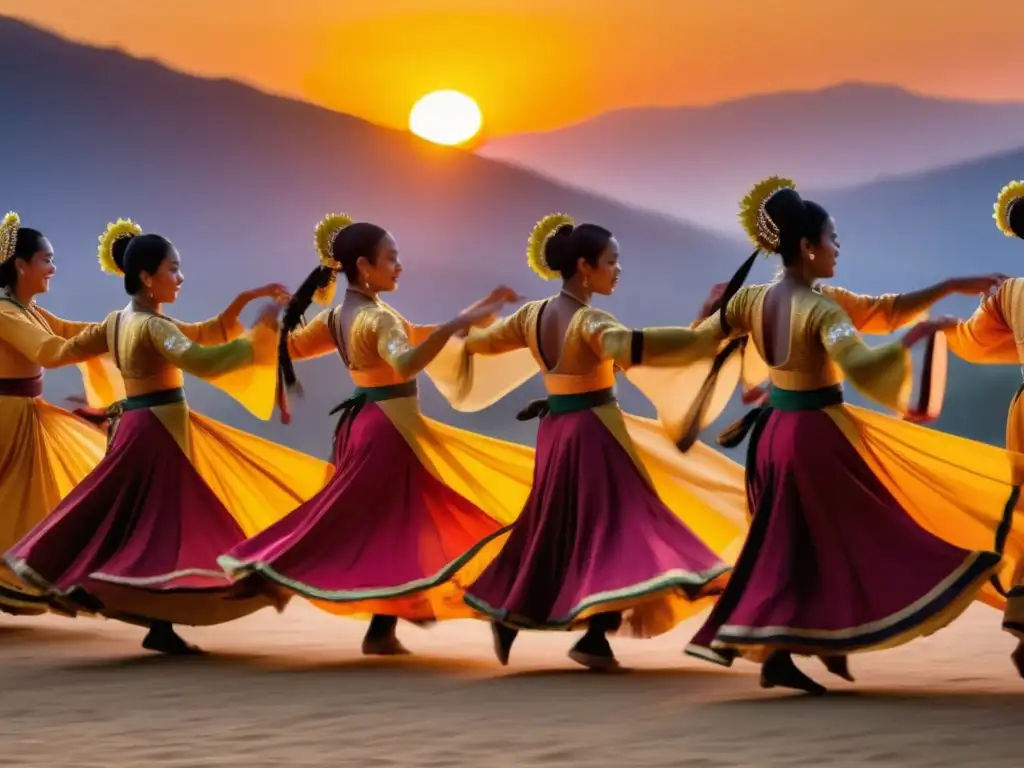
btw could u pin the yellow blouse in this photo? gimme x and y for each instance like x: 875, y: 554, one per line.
x: 824, y: 344
x: 152, y: 352
x: 595, y: 345
x: 378, y: 349
x: 32, y: 339
x: 995, y: 332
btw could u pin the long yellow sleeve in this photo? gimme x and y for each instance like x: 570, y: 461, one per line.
x: 66, y: 329
x: 216, y: 330
x: 882, y: 374
x: 393, y: 344
x: 878, y: 314
x: 44, y: 347
x: 656, y: 346
x: 986, y: 336
x: 313, y: 339
x: 206, y: 362
x: 245, y: 368
x: 504, y: 335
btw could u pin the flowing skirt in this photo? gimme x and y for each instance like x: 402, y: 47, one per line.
x: 835, y: 562
x: 138, y: 539
x: 1013, y: 617
x: 45, y: 452
x: 403, y: 523
x: 594, y: 537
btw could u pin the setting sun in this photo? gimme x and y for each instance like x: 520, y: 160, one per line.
x: 446, y: 117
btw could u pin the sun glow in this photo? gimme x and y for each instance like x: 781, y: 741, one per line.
x: 446, y: 117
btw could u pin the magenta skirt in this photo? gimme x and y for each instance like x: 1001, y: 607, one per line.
x: 138, y: 539
x: 593, y: 538
x: 383, y: 536
x: 832, y: 563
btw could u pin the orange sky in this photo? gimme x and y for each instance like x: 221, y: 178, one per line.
x: 537, y: 64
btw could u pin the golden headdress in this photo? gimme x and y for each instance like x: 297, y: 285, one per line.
x: 9, y: 235
x: 323, y: 236
x: 115, y: 231
x: 539, y: 237
x: 762, y: 231
x: 1009, y: 196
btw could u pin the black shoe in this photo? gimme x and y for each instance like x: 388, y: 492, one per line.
x: 780, y: 671
x: 1017, y: 657
x: 593, y: 651
x: 163, y: 639
x: 381, y: 640
x: 503, y: 638
x: 838, y: 666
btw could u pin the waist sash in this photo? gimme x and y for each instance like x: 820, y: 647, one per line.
x: 30, y: 387
x: 350, y: 408
x: 582, y: 401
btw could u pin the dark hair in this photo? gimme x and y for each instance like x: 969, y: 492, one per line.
x: 1015, y: 217
x: 796, y: 219
x: 569, y: 244
x: 359, y: 239
x: 27, y: 243
x: 137, y: 254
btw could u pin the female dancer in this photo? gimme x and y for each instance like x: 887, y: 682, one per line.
x: 617, y: 534
x: 44, y: 450
x: 412, y: 500
x: 842, y: 555
x: 138, y: 539
x: 992, y: 335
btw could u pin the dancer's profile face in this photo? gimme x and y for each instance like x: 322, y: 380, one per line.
x: 381, y: 275
x: 34, y: 274
x: 164, y: 284
x: 820, y: 259
x: 603, y: 277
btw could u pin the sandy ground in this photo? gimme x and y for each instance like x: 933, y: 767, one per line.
x: 293, y: 690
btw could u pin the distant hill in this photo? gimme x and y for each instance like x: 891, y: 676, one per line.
x: 696, y: 162
x: 238, y: 179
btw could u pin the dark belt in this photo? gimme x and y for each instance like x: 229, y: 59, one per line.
x: 583, y: 401
x: 136, y: 403
x: 781, y: 400
x: 153, y: 399
x: 350, y: 408
x: 30, y: 387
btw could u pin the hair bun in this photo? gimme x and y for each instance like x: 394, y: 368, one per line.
x: 1008, y: 214
x: 323, y: 237
x: 114, y: 243
x: 547, y: 239
x: 9, y: 235
x: 767, y: 209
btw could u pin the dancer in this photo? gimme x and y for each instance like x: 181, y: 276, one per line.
x: 412, y: 500
x: 44, y: 450
x: 841, y: 556
x: 991, y: 336
x: 138, y: 539
x: 618, y: 533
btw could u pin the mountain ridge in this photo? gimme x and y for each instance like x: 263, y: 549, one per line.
x: 697, y: 162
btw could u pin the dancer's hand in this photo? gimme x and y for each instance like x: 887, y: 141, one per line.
x: 926, y: 328
x: 484, y: 312
x: 274, y: 291
x: 503, y: 293
x: 986, y: 285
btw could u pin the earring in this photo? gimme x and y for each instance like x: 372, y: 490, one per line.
x: 586, y: 282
